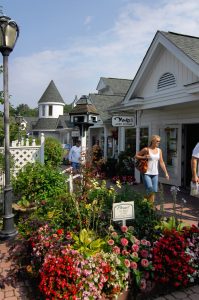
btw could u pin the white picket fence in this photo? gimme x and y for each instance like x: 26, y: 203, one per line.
x: 22, y: 153
x: 71, y: 178
x: 25, y: 152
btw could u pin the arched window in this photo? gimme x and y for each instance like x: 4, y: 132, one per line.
x: 166, y: 80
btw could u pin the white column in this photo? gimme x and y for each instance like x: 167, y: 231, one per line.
x: 42, y: 148
x: 121, y: 139
x: 84, y: 135
x: 105, y: 142
x: 137, y: 173
x: 46, y: 110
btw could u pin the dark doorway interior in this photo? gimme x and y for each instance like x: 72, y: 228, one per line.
x: 191, y: 139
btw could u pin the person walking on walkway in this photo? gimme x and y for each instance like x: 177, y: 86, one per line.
x: 194, y: 163
x: 154, y: 156
x: 75, y: 156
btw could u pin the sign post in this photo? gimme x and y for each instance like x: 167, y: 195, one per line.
x: 123, y: 211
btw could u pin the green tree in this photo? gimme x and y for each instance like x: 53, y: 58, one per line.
x: 25, y: 110
x: 67, y: 108
x: 53, y: 151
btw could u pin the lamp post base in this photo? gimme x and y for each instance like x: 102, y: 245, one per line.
x: 4, y: 235
x: 8, y: 231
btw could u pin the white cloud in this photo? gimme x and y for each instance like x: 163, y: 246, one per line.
x: 87, y: 20
x: 117, y: 52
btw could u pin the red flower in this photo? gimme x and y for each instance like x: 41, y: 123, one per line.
x: 60, y: 231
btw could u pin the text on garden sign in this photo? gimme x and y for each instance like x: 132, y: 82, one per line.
x: 123, y: 121
x: 123, y: 210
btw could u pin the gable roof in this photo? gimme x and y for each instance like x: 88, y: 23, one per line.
x: 51, y: 94
x: 182, y: 46
x: 186, y: 43
x: 103, y: 102
x: 119, y: 86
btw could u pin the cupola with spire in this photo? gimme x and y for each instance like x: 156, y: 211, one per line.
x: 51, y: 103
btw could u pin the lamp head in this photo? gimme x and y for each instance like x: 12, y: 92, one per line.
x: 9, y: 32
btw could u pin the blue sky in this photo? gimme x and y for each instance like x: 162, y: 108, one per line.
x: 75, y: 42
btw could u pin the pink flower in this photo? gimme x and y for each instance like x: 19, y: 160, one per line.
x: 116, y: 249
x: 68, y: 236
x: 133, y: 265
x: 148, y: 243
x: 144, y: 242
x: 124, y: 228
x: 135, y: 254
x: 135, y: 248
x: 125, y: 252
x: 114, y: 234
x: 144, y: 253
x: 127, y: 263
x: 137, y: 242
x: 111, y: 242
x: 124, y: 242
x: 144, y: 262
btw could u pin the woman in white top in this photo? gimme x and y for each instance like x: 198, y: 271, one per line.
x: 154, y: 155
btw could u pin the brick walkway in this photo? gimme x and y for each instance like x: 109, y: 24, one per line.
x: 23, y: 291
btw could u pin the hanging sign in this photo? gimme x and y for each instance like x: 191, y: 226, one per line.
x: 123, y: 211
x: 123, y: 121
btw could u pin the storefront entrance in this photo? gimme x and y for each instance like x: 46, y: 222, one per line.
x: 191, y: 138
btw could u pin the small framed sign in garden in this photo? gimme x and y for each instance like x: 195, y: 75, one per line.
x: 123, y: 211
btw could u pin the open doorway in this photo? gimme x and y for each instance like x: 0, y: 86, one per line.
x: 191, y: 139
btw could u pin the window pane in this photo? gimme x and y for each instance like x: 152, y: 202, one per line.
x: 130, y: 140
x: 50, y: 110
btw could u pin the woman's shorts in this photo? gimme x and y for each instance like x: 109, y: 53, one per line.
x: 150, y: 183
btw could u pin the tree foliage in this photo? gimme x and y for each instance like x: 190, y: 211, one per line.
x: 25, y: 110
x: 67, y: 108
x: 53, y: 151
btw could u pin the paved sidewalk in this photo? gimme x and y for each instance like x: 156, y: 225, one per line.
x: 187, y: 207
x: 191, y: 293
x: 22, y: 290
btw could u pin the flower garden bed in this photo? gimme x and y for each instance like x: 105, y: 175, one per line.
x: 71, y: 249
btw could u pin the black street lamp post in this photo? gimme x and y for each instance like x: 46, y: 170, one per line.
x: 9, y: 32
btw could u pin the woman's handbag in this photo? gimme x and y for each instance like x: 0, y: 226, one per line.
x: 141, y: 165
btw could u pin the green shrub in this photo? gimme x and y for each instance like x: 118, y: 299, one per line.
x: 37, y: 182
x: 146, y: 217
x: 53, y: 151
x: 125, y: 165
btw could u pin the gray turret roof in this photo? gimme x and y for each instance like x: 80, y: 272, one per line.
x: 62, y: 122
x: 51, y: 94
